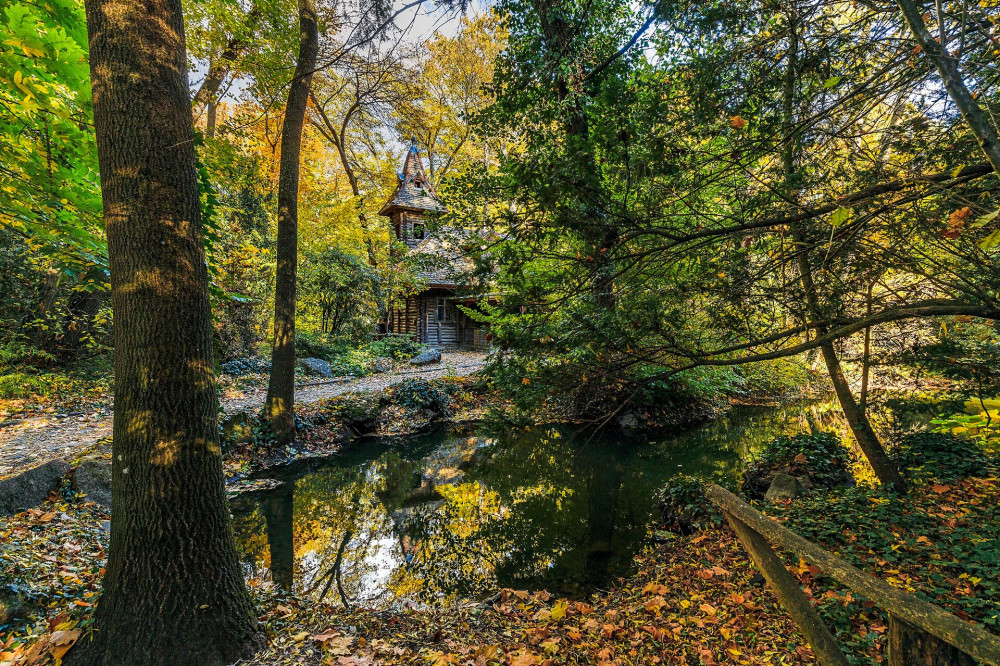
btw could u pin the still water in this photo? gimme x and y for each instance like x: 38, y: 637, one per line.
x: 458, y: 513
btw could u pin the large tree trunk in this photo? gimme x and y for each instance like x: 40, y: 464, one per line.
x: 856, y: 417
x: 279, y: 406
x: 173, y: 592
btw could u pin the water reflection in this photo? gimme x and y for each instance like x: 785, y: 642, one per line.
x: 458, y: 513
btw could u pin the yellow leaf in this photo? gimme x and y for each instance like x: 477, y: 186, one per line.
x: 559, y: 610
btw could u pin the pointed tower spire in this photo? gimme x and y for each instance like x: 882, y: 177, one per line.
x: 414, y: 191
x: 413, y: 168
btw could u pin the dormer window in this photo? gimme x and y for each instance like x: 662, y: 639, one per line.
x: 418, y: 232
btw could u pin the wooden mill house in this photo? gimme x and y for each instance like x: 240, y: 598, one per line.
x: 430, y: 315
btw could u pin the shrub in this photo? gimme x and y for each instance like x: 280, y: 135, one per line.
x: 684, y: 509
x: 775, y: 378
x: 18, y: 352
x: 820, y: 457
x: 940, y: 455
x: 422, y: 394
x: 18, y: 385
x: 318, y: 346
x: 241, y: 367
x: 397, y: 347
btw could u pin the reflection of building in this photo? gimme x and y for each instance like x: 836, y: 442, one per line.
x: 430, y: 316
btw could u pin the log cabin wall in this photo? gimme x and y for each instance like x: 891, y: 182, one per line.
x: 440, y: 319
x: 432, y: 318
x: 409, y: 227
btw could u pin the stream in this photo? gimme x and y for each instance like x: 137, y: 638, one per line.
x: 460, y: 512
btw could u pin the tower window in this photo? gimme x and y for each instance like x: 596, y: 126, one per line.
x: 418, y: 231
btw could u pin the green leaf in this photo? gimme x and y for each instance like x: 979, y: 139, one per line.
x: 990, y: 241
x: 985, y: 219
x: 831, y: 82
x: 957, y: 170
x: 841, y: 215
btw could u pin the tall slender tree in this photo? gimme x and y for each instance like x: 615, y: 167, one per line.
x: 173, y: 592
x: 280, y: 403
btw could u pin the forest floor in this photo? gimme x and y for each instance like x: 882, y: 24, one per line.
x: 30, y: 441
x: 691, y: 599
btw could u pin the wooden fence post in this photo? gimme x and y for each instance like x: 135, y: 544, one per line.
x: 791, y: 596
x: 912, y: 646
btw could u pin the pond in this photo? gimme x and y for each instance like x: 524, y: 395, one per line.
x: 457, y: 514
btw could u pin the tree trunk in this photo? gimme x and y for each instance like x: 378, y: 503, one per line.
x: 173, y: 591
x: 863, y: 432
x: 279, y: 406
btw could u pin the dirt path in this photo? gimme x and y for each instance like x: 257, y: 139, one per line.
x: 35, y: 441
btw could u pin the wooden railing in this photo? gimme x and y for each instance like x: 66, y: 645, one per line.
x: 920, y: 633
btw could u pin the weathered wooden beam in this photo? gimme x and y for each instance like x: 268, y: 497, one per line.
x: 910, y: 646
x: 971, y: 639
x: 791, y: 596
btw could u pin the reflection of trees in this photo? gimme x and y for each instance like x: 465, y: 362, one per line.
x: 344, y: 526
x: 278, y: 506
x: 545, y: 509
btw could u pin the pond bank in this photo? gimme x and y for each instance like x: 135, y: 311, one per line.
x: 30, y: 442
x: 691, y: 600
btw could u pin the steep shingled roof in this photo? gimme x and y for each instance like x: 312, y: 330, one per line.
x: 443, y: 261
x: 414, y: 191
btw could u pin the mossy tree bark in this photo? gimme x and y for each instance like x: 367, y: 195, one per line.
x: 279, y: 407
x: 173, y: 591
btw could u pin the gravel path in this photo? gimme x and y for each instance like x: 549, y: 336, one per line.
x: 35, y: 441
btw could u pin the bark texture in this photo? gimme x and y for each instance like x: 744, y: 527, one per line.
x: 279, y: 407
x: 173, y: 592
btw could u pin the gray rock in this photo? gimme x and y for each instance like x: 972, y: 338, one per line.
x: 30, y: 488
x: 93, y: 479
x: 426, y: 357
x: 237, y: 428
x: 783, y: 487
x: 629, y: 422
x: 316, y: 367
x: 381, y: 365
x: 13, y: 606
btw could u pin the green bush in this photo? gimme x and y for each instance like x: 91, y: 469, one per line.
x: 422, y: 394
x: 396, y: 347
x: 941, y: 456
x: 18, y: 352
x: 775, y: 378
x: 821, y: 457
x: 18, y: 385
x: 684, y: 509
x: 309, y: 345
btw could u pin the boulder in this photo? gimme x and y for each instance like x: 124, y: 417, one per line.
x: 13, y: 606
x: 316, y: 367
x: 629, y: 423
x: 93, y: 479
x: 237, y: 428
x: 30, y: 488
x: 783, y: 487
x: 426, y: 357
x: 381, y: 365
